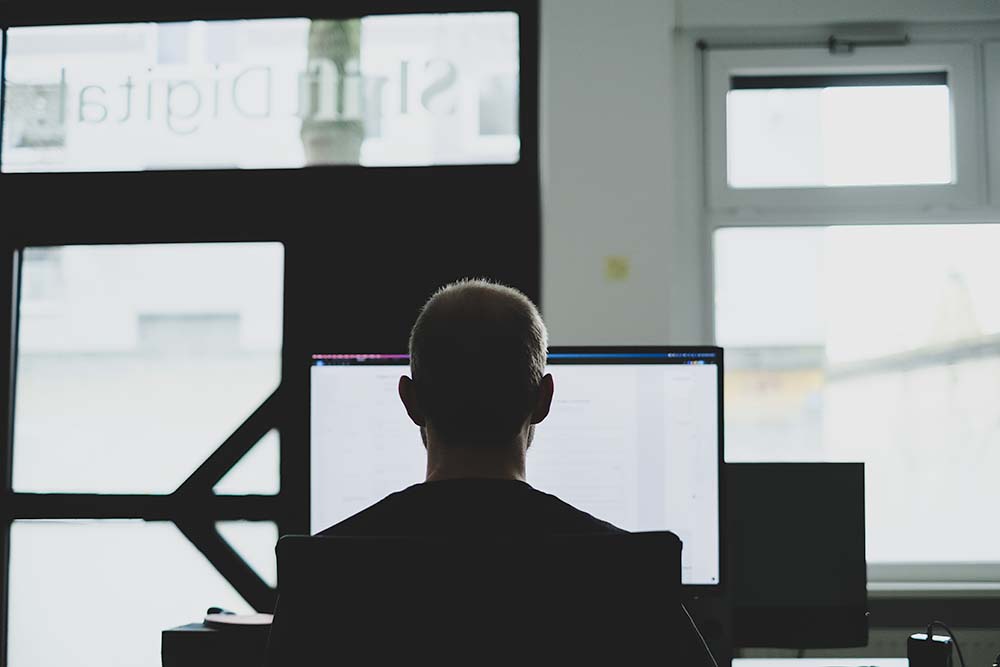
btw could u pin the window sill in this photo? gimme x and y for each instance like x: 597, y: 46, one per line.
x: 952, y: 589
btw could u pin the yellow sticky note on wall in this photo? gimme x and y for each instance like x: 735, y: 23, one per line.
x: 616, y: 268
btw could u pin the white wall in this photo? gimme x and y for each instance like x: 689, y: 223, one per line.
x: 621, y: 168
x: 607, y: 168
x: 771, y: 13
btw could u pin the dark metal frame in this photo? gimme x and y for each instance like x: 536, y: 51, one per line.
x: 769, y: 81
x: 193, y: 506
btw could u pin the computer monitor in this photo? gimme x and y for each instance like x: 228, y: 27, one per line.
x: 634, y: 437
x: 797, y: 540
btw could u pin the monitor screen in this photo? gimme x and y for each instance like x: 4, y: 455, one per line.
x: 633, y: 438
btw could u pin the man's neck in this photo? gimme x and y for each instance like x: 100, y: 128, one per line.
x: 474, y: 462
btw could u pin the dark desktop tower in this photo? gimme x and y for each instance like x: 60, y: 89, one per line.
x: 797, y: 555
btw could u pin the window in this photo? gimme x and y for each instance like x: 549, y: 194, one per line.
x: 136, y: 362
x: 874, y: 344
x: 256, y: 472
x: 807, y: 129
x: 835, y: 131
x: 101, y: 592
x: 420, y: 89
x: 153, y: 422
x: 850, y: 205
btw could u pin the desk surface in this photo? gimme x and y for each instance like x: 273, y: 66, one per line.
x: 821, y: 662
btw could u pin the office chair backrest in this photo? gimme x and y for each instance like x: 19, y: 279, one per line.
x: 359, y: 601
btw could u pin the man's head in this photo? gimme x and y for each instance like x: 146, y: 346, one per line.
x: 477, y: 357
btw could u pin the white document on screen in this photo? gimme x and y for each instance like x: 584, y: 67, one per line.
x: 364, y: 445
x: 635, y: 445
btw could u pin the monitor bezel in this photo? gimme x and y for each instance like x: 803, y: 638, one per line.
x: 715, y: 358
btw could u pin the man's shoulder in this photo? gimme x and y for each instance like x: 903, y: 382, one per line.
x: 369, y: 522
x: 456, y: 505
x: 585, y: 521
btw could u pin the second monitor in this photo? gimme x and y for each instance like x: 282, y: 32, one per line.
x: 634, y: 437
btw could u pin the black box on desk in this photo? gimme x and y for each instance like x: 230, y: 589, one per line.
x: 932, y: 651
x: 197, y: 645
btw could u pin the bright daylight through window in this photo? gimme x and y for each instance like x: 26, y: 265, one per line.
x: 874, y: 344
x: 135, y: 362
x: 101, y: 592
x: 815, y: 131
x: 420, y: 89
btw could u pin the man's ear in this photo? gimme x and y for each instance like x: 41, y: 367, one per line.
x: 545, y: 390
x: 408, y: 395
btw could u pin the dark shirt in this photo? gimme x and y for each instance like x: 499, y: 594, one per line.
x: 496, y: 507
x: 469, y: 507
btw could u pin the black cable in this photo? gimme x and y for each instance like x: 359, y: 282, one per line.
x: 702, y: 637
x: 930, y: 629
x: 996, y: 661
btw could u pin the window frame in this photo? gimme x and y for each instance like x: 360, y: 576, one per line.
x: 193, y: 506
x: 900, y: 594
x: 991, y: 75
x: 958, y: 59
